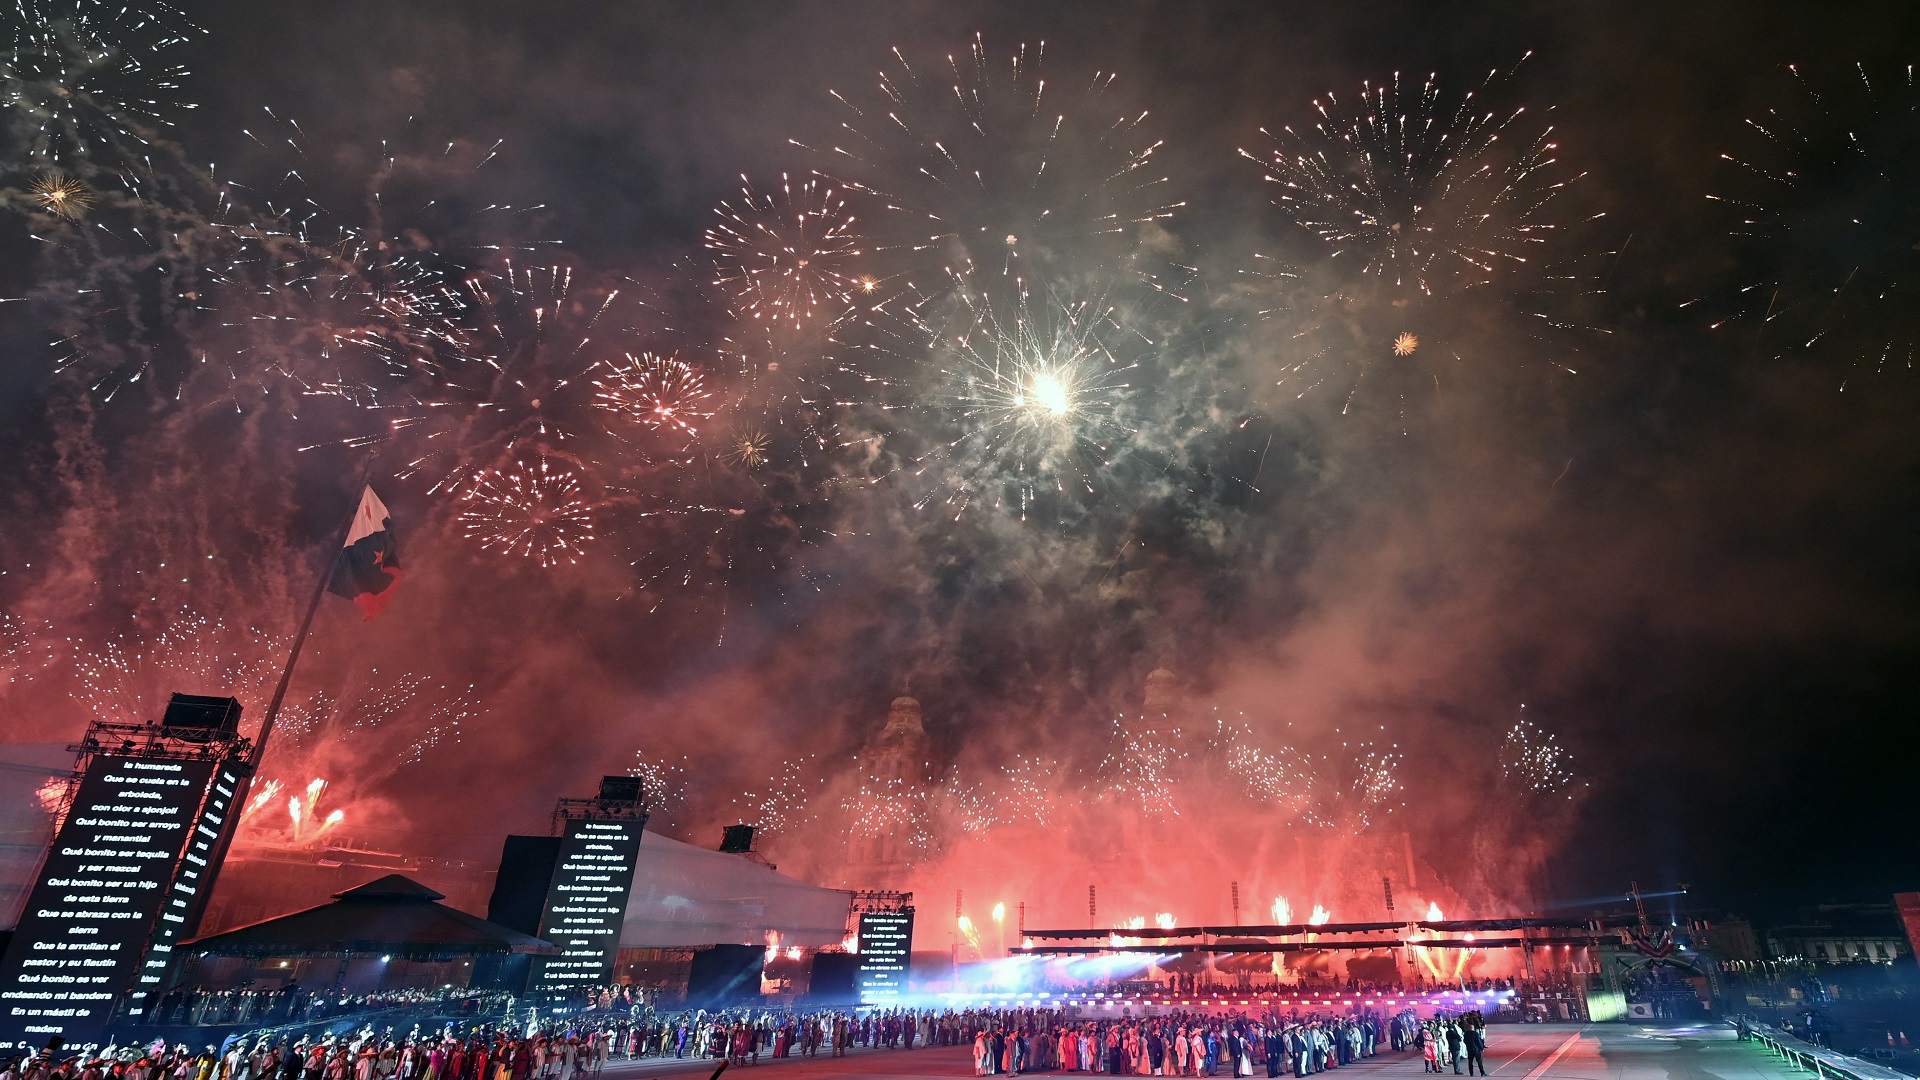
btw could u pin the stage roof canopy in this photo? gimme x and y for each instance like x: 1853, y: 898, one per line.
x: 687, y: 896
x: 392, y: 916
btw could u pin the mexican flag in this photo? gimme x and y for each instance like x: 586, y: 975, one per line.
x: 369, y: 566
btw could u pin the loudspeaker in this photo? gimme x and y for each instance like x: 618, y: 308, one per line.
x: 725, y: 975
x: 621, y: 790
x: 200, y: 719
x: 737, y: 840
x: 520, y: 888
x: 832, y: 982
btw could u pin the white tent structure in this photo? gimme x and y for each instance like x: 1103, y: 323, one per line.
x: 687, y: 896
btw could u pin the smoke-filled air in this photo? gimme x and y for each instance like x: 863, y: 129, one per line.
x: 997, y: 458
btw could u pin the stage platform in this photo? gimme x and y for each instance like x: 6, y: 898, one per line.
x: 1516, y: 1051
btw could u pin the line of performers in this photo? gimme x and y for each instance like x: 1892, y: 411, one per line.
x: 1181, y: 1044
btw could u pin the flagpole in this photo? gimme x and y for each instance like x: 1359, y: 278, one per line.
x: 313, y: 607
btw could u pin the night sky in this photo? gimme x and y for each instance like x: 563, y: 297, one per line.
x: 1694, y: 561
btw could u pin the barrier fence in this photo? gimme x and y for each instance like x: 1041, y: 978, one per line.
x: 1818, y: 1060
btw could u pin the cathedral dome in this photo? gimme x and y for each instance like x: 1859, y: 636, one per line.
x: 903, y: 721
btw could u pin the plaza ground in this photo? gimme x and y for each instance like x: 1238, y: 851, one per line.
x: 1514, y: 1051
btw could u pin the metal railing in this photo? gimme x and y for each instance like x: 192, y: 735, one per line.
x: 1818, y: 1060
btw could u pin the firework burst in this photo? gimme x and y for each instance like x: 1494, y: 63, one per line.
x: 534, y: 508
x: 1415, y: 189
x: 62, y: 196
x: 25, y: 648
x: 781, y: 803
x: 747, y: 449
x: 973, y: 161
x: 1533, y: 761
x: 428, y: 713
x: 1374, y: 789
x: 356, y: 317
x: 1026, y: 791
x: 1031, y: 402
x: 1822, y: 205
x: 1281, y: 778
x: 342, y: 318
x: 788, y: 258
x: 1408, y: 199
x: 539, y: 348
x: 1144, y: 771
x: 663, y: 393
x: 409, y: 715
x: 130, y: 679
x: 663, y: 784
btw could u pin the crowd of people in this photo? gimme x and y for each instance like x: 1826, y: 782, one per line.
x: 1185, y: 1044
x: 1003, y: 1041
x: 294, y: 1004
x: 1450, y: 1041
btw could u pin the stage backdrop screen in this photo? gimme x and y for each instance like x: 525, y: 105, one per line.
x: 885, y: 937
x: 586, y: 905
x: 98, y: 901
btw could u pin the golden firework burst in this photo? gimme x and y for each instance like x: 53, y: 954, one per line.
x: 748, y: 450
x: 62, y: 195
x: 1405, y: 344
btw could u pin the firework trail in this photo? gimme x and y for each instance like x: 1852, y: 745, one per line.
x: 1821, y: 202
x: 1410, y: 199
x: 971, y: 161
x: 298, y: 822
